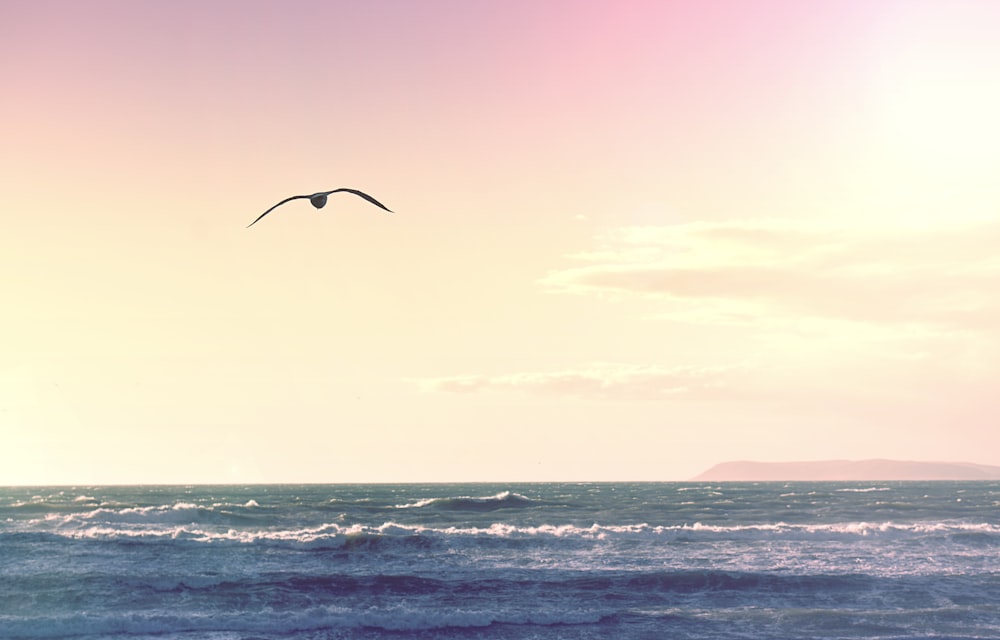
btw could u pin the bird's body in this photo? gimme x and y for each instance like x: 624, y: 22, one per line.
x: 318, y: 200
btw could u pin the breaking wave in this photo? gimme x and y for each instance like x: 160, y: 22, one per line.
x: 177, y: 524
x: 502, y: 500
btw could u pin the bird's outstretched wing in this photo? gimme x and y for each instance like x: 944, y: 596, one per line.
x: 358, y: 193
x: 273, y: 208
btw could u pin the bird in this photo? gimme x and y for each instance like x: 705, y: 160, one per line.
x: 318, y: 200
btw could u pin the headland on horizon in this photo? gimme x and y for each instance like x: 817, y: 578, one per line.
x: 847, y: 470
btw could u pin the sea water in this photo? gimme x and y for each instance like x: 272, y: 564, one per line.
x: 614, y: 560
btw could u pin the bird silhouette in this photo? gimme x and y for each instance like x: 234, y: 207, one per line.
x: 318, y: 200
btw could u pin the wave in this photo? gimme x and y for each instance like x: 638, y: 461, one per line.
x: 113, y: 516
x: 28, y: 507
x: 397, y: 619
x: 700, y: 581
x: 413, y: 604
x: 290, y: 605
x: 502, y: 500
x: 357, y: 536
x: 864, y: 490
x: 296, y: 589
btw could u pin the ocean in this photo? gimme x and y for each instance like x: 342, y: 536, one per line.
x: 502, y: 561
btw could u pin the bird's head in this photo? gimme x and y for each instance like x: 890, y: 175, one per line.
x: 318, y: 200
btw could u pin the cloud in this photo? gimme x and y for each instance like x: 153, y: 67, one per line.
x: 813, y: 310
x: 605, y: 381
x: 933, y: 276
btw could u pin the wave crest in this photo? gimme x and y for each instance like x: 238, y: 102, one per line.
x: 357, y: 536
x: 502, y: 500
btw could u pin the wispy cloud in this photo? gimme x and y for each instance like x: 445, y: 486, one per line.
x: 943, y: 276
x: 815, y: 306
x: 605, y: 381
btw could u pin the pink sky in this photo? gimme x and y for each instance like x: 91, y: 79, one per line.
x: 632, y: 239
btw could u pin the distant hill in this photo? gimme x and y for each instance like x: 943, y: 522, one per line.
x: 859, y: 470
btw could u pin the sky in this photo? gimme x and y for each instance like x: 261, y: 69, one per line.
x: 630, y: 239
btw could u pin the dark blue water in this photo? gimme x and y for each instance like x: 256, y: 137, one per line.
x: 671, y: 560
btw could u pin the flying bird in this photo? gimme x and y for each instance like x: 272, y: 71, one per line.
x: 318, y: 200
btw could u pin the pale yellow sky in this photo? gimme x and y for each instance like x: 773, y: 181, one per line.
x: 630, y: 240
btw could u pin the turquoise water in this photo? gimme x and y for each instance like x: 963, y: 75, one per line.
x: 612, y: 560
